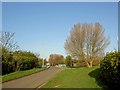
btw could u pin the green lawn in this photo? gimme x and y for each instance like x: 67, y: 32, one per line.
x: 75, y: 78
x: 19, y: 74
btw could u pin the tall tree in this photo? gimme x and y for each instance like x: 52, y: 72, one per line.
x: 86, y: 42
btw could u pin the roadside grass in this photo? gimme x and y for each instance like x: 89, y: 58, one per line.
x: 83, y: 77
x: 19, y: 74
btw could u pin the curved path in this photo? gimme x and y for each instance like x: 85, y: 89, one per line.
x: 34, y: 80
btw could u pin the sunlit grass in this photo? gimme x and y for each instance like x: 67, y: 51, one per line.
x: 74, y: 78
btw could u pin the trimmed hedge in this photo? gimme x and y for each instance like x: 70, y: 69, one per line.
x: 110, y: 69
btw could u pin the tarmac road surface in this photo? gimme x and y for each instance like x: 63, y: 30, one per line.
x: 34, y: 80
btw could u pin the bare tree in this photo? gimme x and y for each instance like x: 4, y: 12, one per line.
x: 86, y: 42
x: 55, y: 59
x: 7, y: 42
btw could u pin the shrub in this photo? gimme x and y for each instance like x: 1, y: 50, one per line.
x: 110, y: 69
x: 24, y: 60
x: 68, y: 60
x: 7, y: 63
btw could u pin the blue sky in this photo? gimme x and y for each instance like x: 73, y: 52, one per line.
x: 44, y: 27
x: 60, y: 0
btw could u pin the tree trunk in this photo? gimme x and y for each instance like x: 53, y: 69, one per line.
x: 90, y: 64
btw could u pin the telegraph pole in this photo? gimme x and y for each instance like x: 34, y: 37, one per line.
x: 43, y: 55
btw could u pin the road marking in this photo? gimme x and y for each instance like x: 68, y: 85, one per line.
x: 57, y: 86
x: 40, y: 86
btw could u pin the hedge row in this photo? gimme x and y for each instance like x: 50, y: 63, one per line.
x: 17, y: 61
x: 110, y: 69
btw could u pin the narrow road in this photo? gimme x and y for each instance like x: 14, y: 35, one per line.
x: 34, y: 80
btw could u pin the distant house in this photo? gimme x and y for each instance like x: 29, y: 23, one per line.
x: 82, y: 63
x: 77, y: 63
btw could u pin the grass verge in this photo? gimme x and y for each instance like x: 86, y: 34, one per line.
x: 74, y: 78
x: 19, y: 74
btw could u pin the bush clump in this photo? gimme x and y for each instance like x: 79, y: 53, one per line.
x: 110, y: 69
x: 18, y: 61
